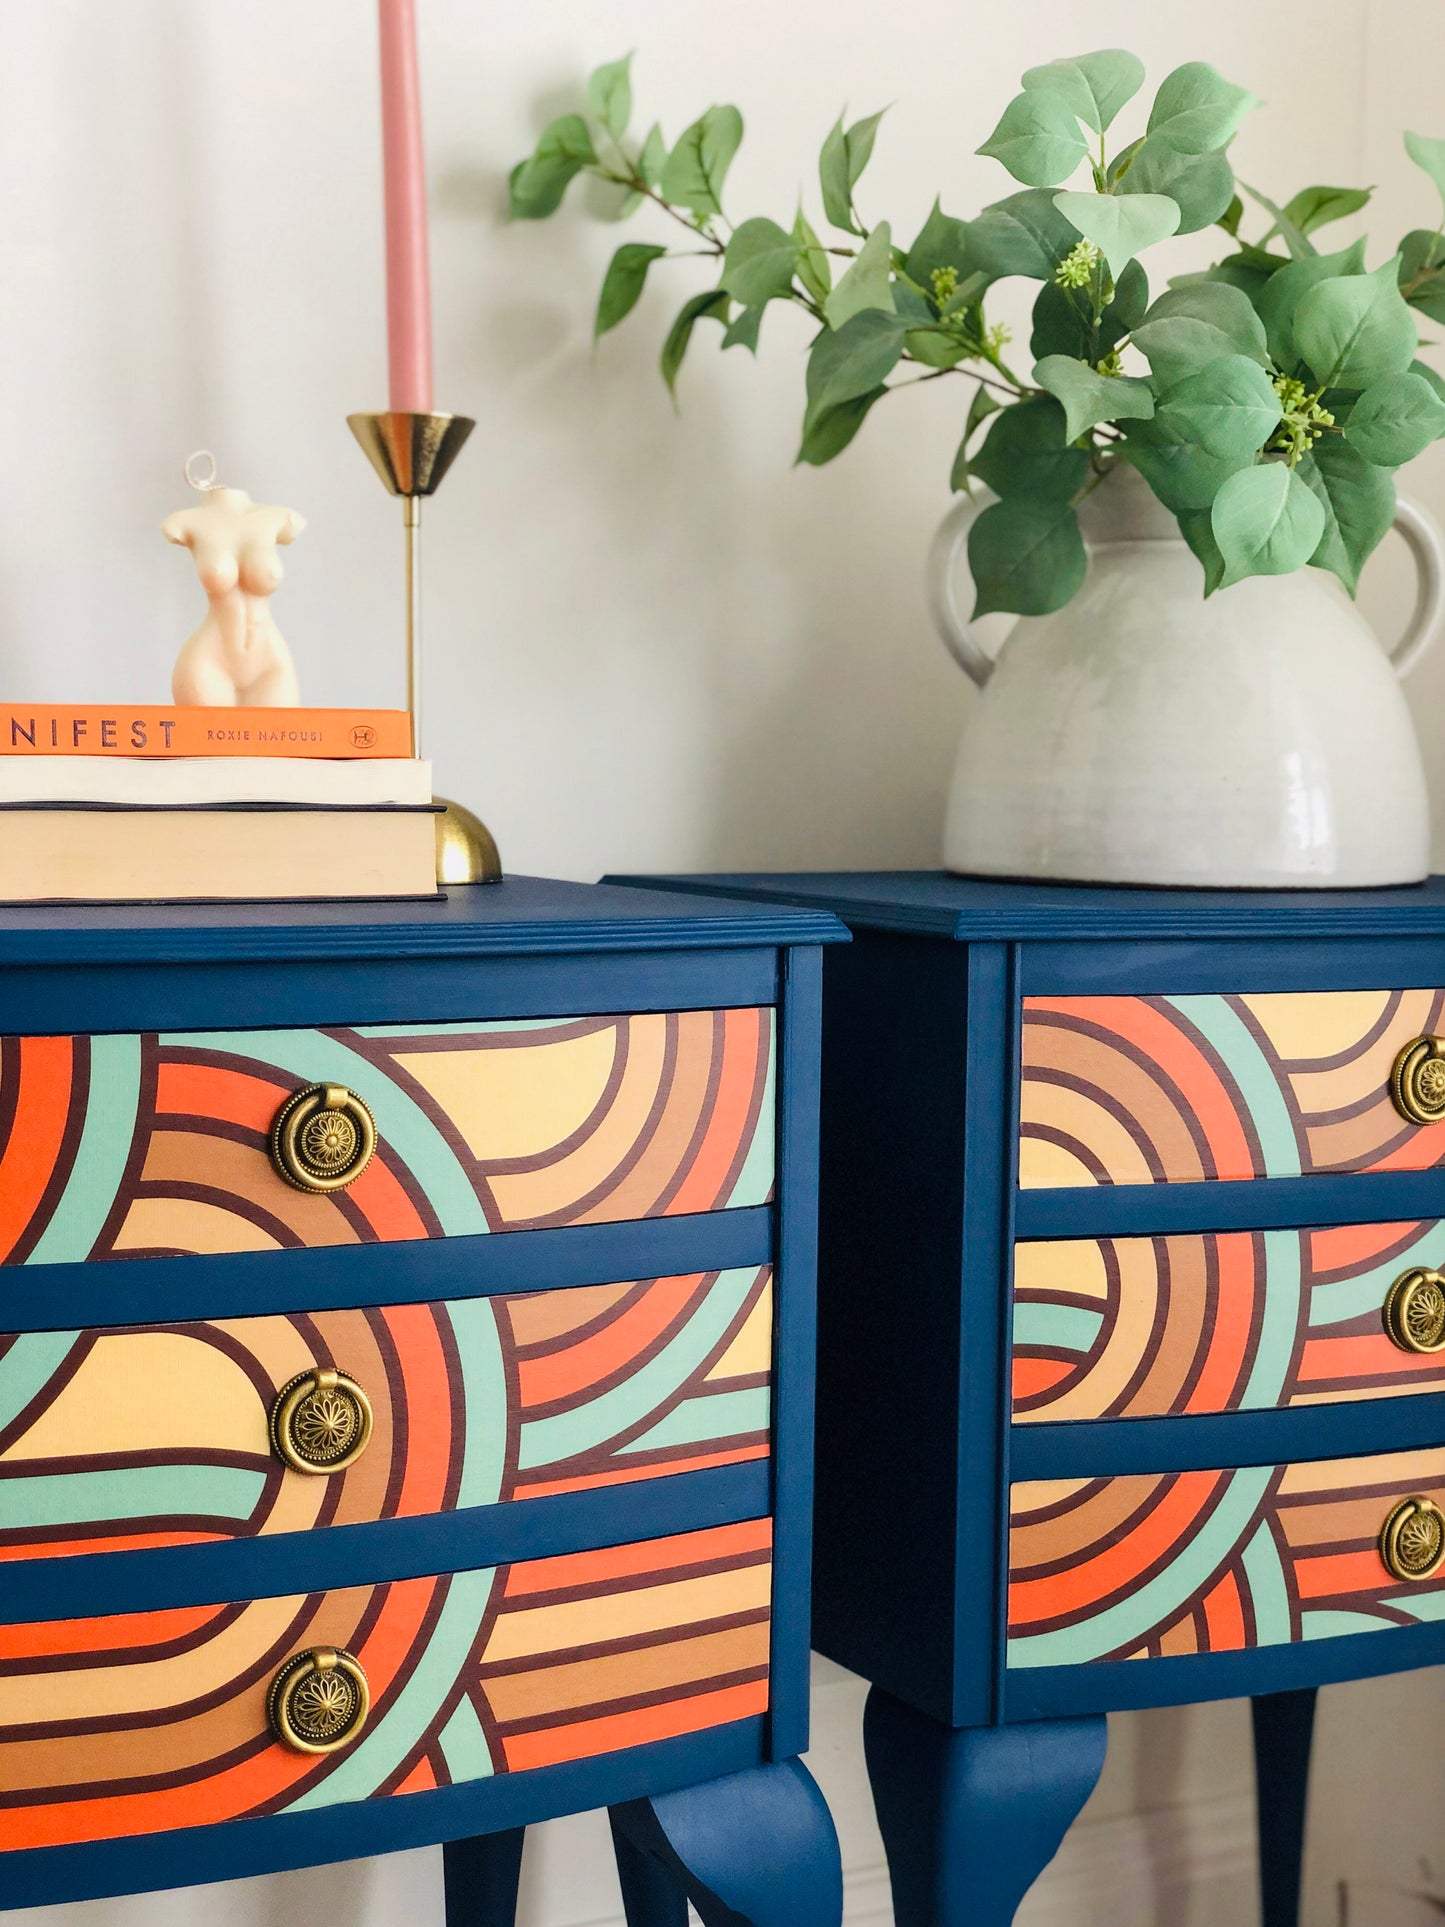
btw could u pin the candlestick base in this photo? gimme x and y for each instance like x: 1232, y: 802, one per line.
x: 466, y: 848
x: 411, y: 452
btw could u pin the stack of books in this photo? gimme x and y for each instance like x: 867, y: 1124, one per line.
x: 124, y: 805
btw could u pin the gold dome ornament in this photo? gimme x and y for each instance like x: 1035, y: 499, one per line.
x: 1417, y: 1081
x: 321, y: 1421
x: 466, y: 849
x: 318, y: 1701
x: 322, y: 1138
x: 1412, y: 1539
x: 1414, y: 1311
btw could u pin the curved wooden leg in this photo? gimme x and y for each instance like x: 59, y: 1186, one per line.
x: 481, y: 1876
x: 754, y: 1849
x: 971, y: 1816
x: 1283, y: 1726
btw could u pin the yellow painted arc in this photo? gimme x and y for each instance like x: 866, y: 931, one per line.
x: 1073, y: 1265
x: 1318, y: 1023
x: 1338, y: 1477
x: 752, y: 1350
x: 1099, y: 1390
x: 1075, y: 1116
x: 188, y: 1224
x: 1037, y: 1495
x: 623, y: 1615
x: 520, y: 1100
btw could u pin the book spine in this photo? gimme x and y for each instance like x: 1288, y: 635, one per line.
x: 122, y: 731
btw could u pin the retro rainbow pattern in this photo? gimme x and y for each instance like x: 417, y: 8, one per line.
x: 157, y: 1435
x: 1211, y: 1562
x: 154, y: 1145
x: 136, y: 1724
x: 1225, y: 1322
x: 1149, y: 1090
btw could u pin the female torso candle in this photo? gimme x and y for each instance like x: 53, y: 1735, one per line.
x: 408, y: 284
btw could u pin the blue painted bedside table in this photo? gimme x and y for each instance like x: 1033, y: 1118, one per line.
x: 1132, y: 1337
x: 406, y: 1393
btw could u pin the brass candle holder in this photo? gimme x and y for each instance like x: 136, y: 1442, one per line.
x: 412, y: 454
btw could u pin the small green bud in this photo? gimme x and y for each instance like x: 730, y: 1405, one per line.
x: 944, y: 281
x: 1305, y: 420
x: 1076, y: 270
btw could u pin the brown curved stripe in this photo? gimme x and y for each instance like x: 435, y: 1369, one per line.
x: 634, y: 1190
x: 1188, y: 1313
x: 1347, y: 1520
x: 1360, y: 1140
x: 244, y: 1173
x: 1100, y: 1517
x: 1179, y: 1638
x: 1157, y: 1114
x: 552, y: 1689
x: 353, y: 1347
x: 537, y: 1316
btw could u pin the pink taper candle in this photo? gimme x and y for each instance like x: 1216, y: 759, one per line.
x: 408, y: 281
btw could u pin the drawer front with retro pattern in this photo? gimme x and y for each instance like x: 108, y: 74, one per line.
x: 1135, y: 1567
x: 165, y: 1435
x: 153, y: 1145
x: 1226, y: 1321
x: 141, y: 1723
x: 1149, y: 1090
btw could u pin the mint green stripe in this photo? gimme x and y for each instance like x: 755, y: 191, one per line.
x: 1064, y: 1328
x: 1334, y: 1625
x: 105, y: 1142
x: 1347, y: 1298
x: 1131, y: 1620
x: 755, y: 1180
x: 546, y: 1440
x: 32, y: 1360
x: 130, y: 1492
x: 716, y: 1415
x: 1246, y: 1062
x: 315, y: 1059
x: 464, y: 1745
x: 387, y: 1740
x: 484, y: 1390
x: 492, y: 1027
x: 1268, y: 1589
x: 1281, y: 1287
x: 1423, y: 1605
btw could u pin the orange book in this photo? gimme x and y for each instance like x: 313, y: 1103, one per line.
x: 121, y: 729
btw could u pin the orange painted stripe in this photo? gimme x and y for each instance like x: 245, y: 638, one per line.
x: 130, y: 1633
x: 429, y: 1404
x: 654, y: 1555
x: 31, y: 1151
x: 232, y: 1097
x: 1118, y: 1566
x: 1421, y: 1151
x: 1335, y: 1572
x: 1368, y: 1355
x: 610, y: 1734
x: 1034, y: 1375
x: 1224, y: 1616
x: 702, y: 1187
x: 122, y: 1542
x: 1234, y: 1306
x: 394, y: 1635
x: 1344, y: 1247
x: 563, y: 1373
x: 384, y: 1204
x: 420, y: 1780
x: 628, y: 1475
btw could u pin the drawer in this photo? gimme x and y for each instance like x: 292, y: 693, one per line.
x: 1216, y: 1561
x: 158, y: 1144
x: 136, y: 1724
x: 164, y: 1435
x: 1227, y: 1321
x: 1149, y: 1090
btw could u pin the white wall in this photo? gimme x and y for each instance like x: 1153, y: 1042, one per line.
x: 653, y: 643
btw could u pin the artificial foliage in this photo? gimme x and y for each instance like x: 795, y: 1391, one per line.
x: 1267, y: 400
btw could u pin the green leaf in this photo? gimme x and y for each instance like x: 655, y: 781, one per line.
x: 1063, y: 321
x: 831, y: 431
x: 1355, y: 329
x: 1191, y: 326
x: 1428, y: 374
x: 1037, y: 140
x: 1301, y: 248
x: 1229, y: 408
x: 1120, y: 226
x: 1395, y: 420
x: 846, y: 362
x: 1202, y: 185
x: 814, y: 270
x: 1358, y: 501
x: 1266, y: 522
x: 942, y: 243
x: 1026, y: 557
x: 868, y: 282
x: 1196, y: 108
x: 609, y: 95
x: 984, y: 404
x: 1181, y: 474
x: 694, y: 172
x: 1230, y: 220
x: 846, y: 152
x: 1278, y: 300
x: 1422, y: 271
x: 1430, y: 155
x: 1092, y: 86
x: 712, y: 302
x: 742, y: 330
x: 1315, y: 207
x: 539, y: 182
x: 760, y: 262
x: 623, y: 283
x: 1027, y: 453
x: 1089, y: 397
x: 1198, y: 531
x: 1025, y: 234
x: 652, y: 156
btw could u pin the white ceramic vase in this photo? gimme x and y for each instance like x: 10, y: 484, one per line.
x: 1142, y: 734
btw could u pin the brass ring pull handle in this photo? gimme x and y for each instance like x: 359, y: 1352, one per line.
x: 1414, y: 1312
x: 318, y: 1701
x: 1417, y: 1082
x: 321, y: 1422
x: 1412, y: 1539
x: 322, y: 1138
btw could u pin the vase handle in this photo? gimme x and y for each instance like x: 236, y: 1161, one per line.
x: 1422, y: 532
x: 947, y: 559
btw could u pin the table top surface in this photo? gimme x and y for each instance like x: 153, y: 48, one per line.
x: 935, y: 903
x: 519, y: 916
